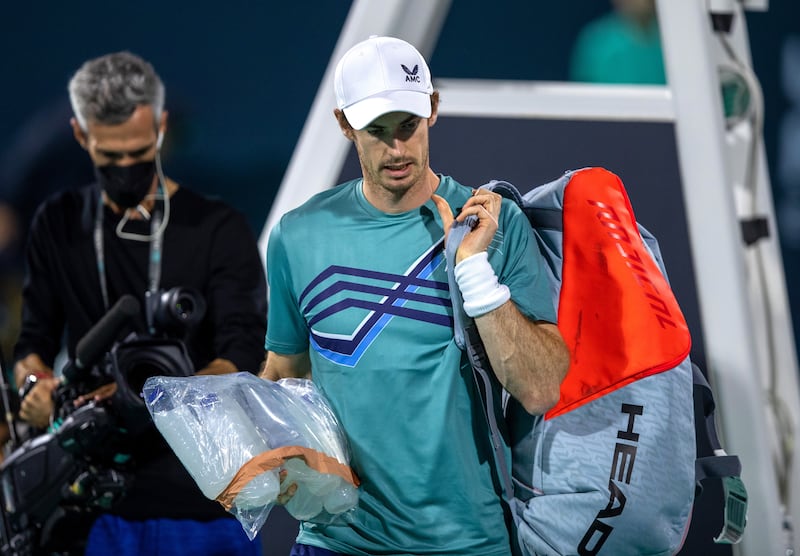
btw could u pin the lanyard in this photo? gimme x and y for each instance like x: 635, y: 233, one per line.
x: 154, y: 264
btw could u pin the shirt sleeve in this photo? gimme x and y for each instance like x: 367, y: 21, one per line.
x: 287, y: 332
x: 236, y: 294
x: 42, y: 311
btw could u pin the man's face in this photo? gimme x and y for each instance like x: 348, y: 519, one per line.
x: 393, y: 151
x: 122, y: 144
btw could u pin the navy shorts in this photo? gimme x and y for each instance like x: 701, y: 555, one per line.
x: 168, y: 537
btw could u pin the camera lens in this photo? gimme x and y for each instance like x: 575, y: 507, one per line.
x: 177, y: 308
x: 140, y: 372
x: 184, y: 307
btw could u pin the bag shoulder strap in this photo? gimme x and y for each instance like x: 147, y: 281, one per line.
x: 468, y: 339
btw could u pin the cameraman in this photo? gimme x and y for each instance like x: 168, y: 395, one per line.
x: 130, y: 232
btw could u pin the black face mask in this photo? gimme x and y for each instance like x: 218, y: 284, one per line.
x: 126, y: 185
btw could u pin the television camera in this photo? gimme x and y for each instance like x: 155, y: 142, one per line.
x: 80, y: 465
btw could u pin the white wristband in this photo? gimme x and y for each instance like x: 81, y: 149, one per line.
x: 479, y: 286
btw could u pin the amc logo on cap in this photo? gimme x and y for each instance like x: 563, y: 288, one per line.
x: 411, y: 75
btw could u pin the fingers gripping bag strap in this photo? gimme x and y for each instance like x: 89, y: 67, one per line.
x: 454, y: 238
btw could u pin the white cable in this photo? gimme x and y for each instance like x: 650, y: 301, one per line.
x: 164, y: 194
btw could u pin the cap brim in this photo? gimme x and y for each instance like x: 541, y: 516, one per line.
x: 363, y: 112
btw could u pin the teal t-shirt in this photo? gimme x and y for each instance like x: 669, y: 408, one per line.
x: 367, y: 293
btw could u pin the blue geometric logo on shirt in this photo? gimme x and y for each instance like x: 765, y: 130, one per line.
x: 384, y: 296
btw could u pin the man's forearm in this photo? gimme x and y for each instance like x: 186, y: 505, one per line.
x: 529, y: 359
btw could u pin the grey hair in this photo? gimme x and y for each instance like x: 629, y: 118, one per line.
x: 108, y: 89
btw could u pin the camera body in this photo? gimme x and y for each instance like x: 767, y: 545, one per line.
x: 82, y: 464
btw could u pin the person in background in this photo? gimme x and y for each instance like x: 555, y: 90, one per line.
x: 621, y: 47
x: 359, y: 301
x: 135, y: 231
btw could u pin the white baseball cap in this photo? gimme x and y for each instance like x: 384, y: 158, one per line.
x: 381, y: 75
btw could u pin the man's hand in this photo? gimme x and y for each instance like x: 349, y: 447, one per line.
x: 485, y: 205
x: 278, y: 366
x: 37, y: 405
x: 218, y: 366
x: 31, y: 364
x: 97, y: 395
x: 288, y: 488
